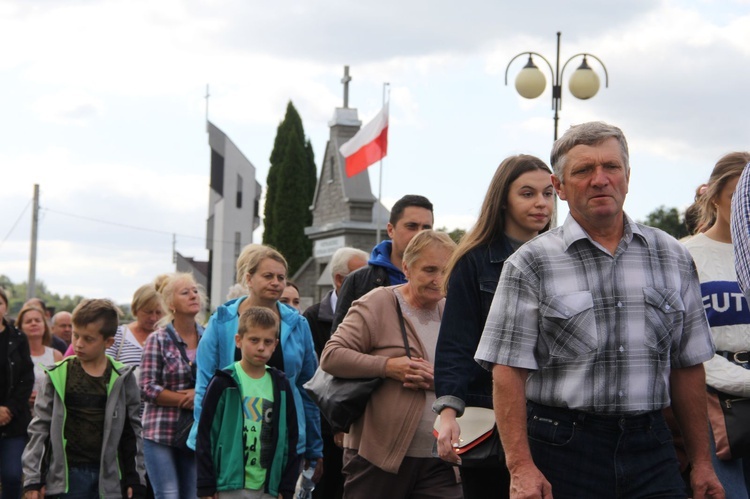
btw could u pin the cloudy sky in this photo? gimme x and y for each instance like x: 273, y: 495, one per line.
x: 103, y: 106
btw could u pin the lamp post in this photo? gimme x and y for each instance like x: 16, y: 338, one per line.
x: 583, y: 84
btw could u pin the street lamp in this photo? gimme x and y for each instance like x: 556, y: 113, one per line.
x: 583, y: 84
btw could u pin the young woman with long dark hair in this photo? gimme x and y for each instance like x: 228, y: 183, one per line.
x: 518, y: 205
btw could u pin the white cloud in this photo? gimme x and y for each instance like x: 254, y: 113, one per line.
x: 108, y: 107
x: 68, y: 107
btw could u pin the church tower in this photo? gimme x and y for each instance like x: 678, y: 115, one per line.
x: 345, y: 212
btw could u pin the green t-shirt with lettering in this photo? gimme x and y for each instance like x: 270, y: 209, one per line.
x: 257, y: 406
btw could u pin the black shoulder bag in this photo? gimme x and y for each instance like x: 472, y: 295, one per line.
x: 185, y: 421
x: 343, y: 400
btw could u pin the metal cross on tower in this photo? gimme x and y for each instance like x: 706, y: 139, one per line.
x: 345, y: 80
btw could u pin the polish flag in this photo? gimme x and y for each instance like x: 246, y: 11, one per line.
x: 368, y: 145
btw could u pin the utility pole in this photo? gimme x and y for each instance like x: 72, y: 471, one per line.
x: 31, y: 286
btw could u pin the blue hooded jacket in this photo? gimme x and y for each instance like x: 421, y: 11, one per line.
x: 381, y: 256
x: 216, y: 351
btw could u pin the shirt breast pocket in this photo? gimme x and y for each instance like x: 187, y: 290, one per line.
x: 487, y: 289
x: 568, y: 324
x: 664, y: 312
x: 172, y: 361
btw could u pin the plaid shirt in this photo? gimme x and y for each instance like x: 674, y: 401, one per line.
x: 162, y: 368
x: 599, y: 333
x: 741, y: 231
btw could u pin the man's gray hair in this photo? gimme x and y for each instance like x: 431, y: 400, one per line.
x: 340, y: 260
x: 588, y: 134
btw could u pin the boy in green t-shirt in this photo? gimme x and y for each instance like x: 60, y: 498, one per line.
x: 247, y: 434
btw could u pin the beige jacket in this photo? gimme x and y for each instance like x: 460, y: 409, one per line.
x: 370, y: 335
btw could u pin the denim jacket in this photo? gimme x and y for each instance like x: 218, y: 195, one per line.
x: 459, y: 380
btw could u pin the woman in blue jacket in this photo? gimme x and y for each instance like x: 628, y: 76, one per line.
x: 518, y: 205
x: 263, y: 271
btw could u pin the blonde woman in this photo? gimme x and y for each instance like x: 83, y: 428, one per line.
x: 388, y: 450
x: 130, y: 339
x: 168, y: 388
x: 726, y: 308
x: 263, y: 271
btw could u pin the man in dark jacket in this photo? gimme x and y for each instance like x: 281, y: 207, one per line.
x: 410, y: 214
x: 320, y: 316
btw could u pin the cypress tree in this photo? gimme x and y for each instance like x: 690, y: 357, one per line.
x: 290, y: 187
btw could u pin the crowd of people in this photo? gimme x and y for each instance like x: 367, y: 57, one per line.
x: 598, y: 344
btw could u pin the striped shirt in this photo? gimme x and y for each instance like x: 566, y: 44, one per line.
x: 126, y: 348
x: 599, y: 333
x: 741, y: 231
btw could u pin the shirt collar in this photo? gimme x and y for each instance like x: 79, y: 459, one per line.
x: 499, y: 249
x: 334, y: 300
x: 572, y: 231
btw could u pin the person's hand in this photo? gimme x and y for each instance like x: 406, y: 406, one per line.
x: 338, y: 439
x: 32, y: 494
x: 448, y: 437
x: 187, y: 400
x: 527, y: 482
x: 397, y: 368
x: 704, y: 483
x: 420, y: 375
x: 32, y: 399
x: 414, y: 373
x: 318, y: 473
x: 5, y: 415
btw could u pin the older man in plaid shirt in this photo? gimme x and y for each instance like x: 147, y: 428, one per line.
x: 599, y: 323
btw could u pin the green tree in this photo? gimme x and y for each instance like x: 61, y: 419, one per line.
x: 455, y: 234
x: 290, y: 187
x: 669, y: 220
x: 17, y: 296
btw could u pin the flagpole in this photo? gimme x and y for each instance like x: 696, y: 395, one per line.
x: 380, y: 180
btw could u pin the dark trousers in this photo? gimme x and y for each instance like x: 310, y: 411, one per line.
x: 331, y: 485
x: 417, y: 478
x: 480, y: 483
x: 11, y: 449
x: 590, y: 455
x: 83, y: 483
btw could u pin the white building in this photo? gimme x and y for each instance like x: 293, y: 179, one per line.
x: 233, y: 212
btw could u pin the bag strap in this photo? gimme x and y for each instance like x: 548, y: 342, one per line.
x: 122, y: 340
x: 403, y: 327
x: 183, y: 353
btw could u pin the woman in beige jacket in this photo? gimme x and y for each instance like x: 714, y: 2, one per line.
x: 388, y: 451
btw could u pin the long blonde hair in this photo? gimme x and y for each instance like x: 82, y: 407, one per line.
x: 166, y: 289
x: 491, y: 221
x: 728, y: 167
